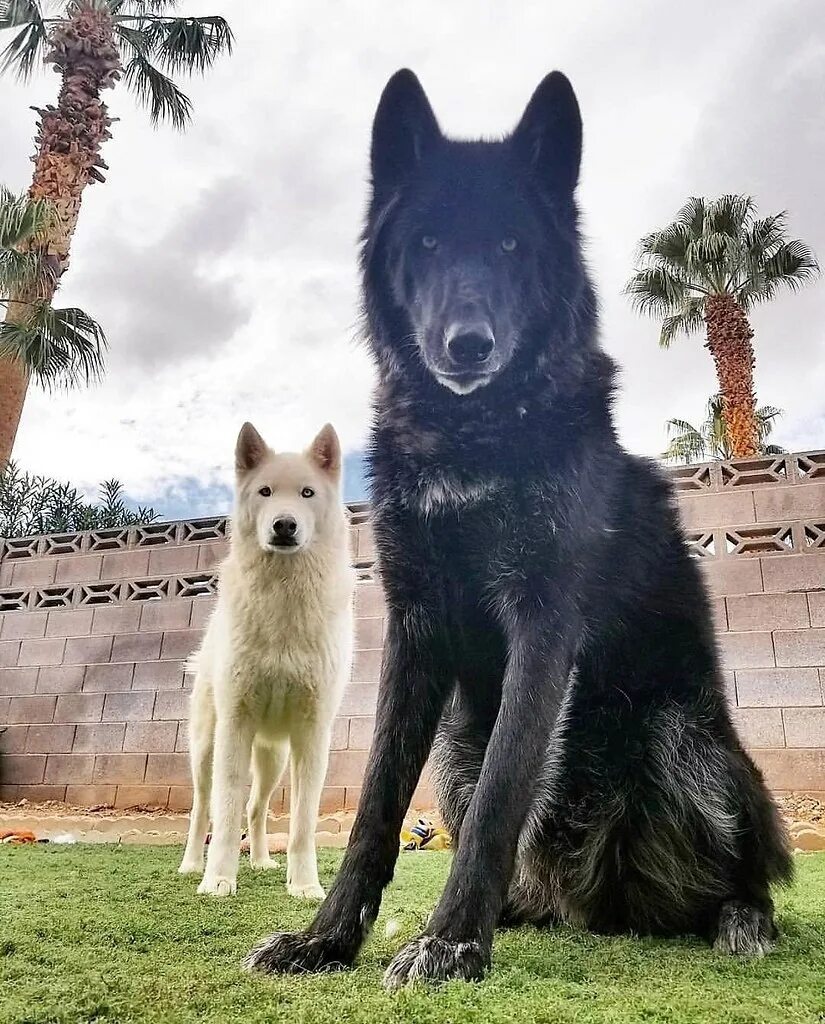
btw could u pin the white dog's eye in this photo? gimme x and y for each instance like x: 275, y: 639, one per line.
x: 307, y: 492
x: 265, y: 492
x: 429, y: 242
x: 509, y: 244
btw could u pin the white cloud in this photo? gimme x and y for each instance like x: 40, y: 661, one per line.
x: 222, y: 261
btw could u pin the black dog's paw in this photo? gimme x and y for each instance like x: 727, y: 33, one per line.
x: 430, y: 958
x: 743, y: 930
x: 296, y: 953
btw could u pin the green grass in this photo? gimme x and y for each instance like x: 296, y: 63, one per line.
x: 112, y: 934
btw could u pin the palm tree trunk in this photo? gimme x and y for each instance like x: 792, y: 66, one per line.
x: 69, y: 138
x: 729, y: 341
x: 14, y: 380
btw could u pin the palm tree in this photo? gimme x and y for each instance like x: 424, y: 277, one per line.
x: 692, y: 444
x: 50, y: 346
x: 707, y: 270
x: 92, y: 44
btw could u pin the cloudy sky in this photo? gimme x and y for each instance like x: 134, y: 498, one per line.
x: 221, y: 262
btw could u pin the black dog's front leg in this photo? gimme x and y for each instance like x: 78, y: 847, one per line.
x: 415, y: 682
x: 458, y: 939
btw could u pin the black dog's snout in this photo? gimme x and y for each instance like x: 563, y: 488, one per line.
x: 470, y: 348
x: 285, y: 527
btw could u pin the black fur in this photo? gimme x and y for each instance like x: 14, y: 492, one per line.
x: 543, y: 607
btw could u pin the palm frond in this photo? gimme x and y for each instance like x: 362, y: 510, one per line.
x: 675, y: 426
x: 715, y: 430
x: 687, y: 443
x: 712, y: 259
x: 23, y: 221
x: 764, y: 234
x: 23, y: 273
x: 765, y: 415
x: 758, y: 241
x: 26, y: 48
x: 692, y: 215
x: 656, y: 290
x: 791, y: 265
x: 157, y: 92
x: 689, y: 320
x: 19, y: 12
x: 671, y: 244
x: 139, y: 7
x: 58, y: 347
x: 188, y: 45
x: 132, y: 41
x: 711, y: 247
x: 728, y: 215
x: 22, y: 218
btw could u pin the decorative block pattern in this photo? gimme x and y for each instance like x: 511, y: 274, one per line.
x: 95, y: 628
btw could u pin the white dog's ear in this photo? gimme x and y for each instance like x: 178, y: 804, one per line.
x: 249, y: 450
x: 325, y: 450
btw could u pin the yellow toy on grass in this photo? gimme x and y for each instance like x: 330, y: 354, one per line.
x: 425, y: 836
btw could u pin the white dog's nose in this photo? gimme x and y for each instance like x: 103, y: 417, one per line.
x: 285, y: 527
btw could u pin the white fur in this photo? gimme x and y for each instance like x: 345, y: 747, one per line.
x: 271, y: 671
x: 442, y: 492
x: 461, y: 387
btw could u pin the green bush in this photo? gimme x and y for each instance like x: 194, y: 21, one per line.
x: 31, y: 505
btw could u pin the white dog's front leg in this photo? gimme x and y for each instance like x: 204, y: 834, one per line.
x: 233, y: 747
x: 310, y: 754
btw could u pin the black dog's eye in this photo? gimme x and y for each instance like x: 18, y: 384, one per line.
x: 429, y: 242
x: 307, y: 492
x: 265, y: 492
x: 509, y: 244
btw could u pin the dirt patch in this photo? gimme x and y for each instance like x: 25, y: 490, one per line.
x: 57, y: 809
x: 800, y: 807
x: 796, y: 807
x: 804, y: 815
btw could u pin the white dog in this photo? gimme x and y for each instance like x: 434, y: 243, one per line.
x: 274, y: 661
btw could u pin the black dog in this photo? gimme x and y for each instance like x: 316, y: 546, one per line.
x: 543, y: 607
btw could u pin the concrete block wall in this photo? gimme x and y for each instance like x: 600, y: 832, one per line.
x: 95, y: 628
x: 94, y: 632
x: 758, y: 529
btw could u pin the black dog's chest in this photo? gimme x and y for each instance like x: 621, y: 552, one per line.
x: 467, y: 549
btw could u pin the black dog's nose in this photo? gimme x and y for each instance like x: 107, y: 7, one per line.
x: 285, y: 527
x: 470, y: 349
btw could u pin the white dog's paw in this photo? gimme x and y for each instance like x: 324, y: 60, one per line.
x: 218, y: 886
x: 190, y: 867
x: 262, y: 863
x: 313, y: 891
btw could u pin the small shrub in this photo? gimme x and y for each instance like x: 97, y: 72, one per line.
x: 31, y: 505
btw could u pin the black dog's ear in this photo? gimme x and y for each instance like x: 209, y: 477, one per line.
x: 549, y: 134
x: 403, y: 129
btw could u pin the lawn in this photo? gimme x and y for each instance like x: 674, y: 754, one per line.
x: 101, y: 933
